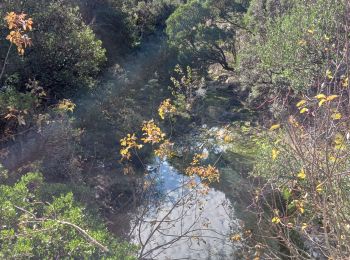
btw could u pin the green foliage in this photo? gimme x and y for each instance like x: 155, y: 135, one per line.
x: 184, y: 90
x: 261, y: 11
x: 17, y: 110
x: 291, y: 47
x: 148, y: 17
x: 205, y: 34
x: 111, y: 24
x: 17, y: 100
x: 305, y: 186
x: 269, y: 159
x: 297, y: 43
x: 32, y: 229
x: 66, y: 56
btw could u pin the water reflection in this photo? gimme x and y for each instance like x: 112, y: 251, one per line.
x: 182, y: 219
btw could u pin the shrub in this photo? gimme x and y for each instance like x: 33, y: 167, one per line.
x: 60, y: 228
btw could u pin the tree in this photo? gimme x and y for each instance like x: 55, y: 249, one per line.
x: 66, y: 56
x: 205, y: 31
x: 57, y: 228
x: 111, y: 24
x: 289, y: 48
x: 300, y: 50
x: 148, y: 17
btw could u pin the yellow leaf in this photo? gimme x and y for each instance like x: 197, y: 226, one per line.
x: 152, y: 133
x: 301, y: 175
x: 339, y: 141
x: 228, y: 139
x: 274, y: 154
x: 236, y: 237
x: 321, y: 102
x: 345, y: 83
x: 300, y: 206
x: 123, y: 152
x: 276, y: 220
x: 300, y: 103
x: 303, y: 226
x: 331, y: 97
x: 166, y: 108
x: 320, y: 96
x: 329, y: 74
x: 303, y: 110
x: 336, y: 116
x: 332, y: 158
x: 319, y: 188
x: 302, y: 42
x: 274, y: 127
x: 66, y: 105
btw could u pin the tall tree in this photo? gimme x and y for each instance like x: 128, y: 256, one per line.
x: 204, y: 31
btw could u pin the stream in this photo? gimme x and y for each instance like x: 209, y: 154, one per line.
x: 180, y: 218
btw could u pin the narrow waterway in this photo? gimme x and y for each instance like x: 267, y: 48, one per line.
x: 185, y: 220
x: 182, y: 218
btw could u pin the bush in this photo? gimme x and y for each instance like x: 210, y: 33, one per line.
x: 66, y: 56
x: 303, y: 163
x: 60, y: 228
x: 290, y: 47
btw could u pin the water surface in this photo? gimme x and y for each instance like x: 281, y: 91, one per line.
x: 184, y: 219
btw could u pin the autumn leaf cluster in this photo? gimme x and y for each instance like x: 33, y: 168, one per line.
x: 19, y: 26
x: 166, y: 108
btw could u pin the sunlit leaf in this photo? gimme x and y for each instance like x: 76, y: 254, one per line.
x: 303, y: 110
x: 274, y: 127
x: 345, y: 82
x: 319, y: 188
x: 303, y: 226
x: 301, y: 103
x: 274, y: 154
x: 236, y: 237
x: 331, y: 97
x: 329, y: 74
x: 321, y: 102
x: 339, y: 141
x: 301, y: 175
x: 276, y: 220
x: 336, y: 116
x: 321, y: 96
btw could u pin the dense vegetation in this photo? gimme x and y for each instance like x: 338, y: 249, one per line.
x: 91, y: 90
